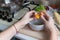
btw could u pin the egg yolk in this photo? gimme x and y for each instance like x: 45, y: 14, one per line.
x: 38, y: 15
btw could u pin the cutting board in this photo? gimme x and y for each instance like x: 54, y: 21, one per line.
x: 41, y: 35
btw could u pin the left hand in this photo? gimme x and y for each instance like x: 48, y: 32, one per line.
x: 27, y: 18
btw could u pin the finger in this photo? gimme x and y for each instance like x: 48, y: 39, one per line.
x: 31, y: 12
x: 47, y: 15
x: 30, y: 19
x: 42, y: 17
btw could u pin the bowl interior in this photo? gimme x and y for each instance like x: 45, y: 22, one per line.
x: 36, y: 22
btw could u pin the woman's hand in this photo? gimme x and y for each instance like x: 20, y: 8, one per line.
x: 27, y: 18
x: 48, y: 22
x: 50, y: 28
x: 9, y: 33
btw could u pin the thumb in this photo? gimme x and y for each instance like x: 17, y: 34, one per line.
x: 30, y: 19
x: 43, y: 18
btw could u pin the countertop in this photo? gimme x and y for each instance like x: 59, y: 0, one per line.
x: 35, y: 34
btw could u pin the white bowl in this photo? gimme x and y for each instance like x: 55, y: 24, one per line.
x: 36, y: 27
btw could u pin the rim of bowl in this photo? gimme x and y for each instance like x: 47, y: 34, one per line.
x: 35, y: 25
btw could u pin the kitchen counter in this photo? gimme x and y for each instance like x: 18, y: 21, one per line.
x: 35, y: 34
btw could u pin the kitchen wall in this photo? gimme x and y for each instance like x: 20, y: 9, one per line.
x: 58, y: 3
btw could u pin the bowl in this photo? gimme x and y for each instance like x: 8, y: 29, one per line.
x: 36, y: 25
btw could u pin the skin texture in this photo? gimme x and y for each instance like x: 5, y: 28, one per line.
x: 49, y: 25
x: 10, y: 32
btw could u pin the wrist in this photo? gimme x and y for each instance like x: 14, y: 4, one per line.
x: 15, y: 29
x: 49, y: 33
x: 24, y: 21
x: 20, y: 24
x: 53, y: 28
x: 54, y: 32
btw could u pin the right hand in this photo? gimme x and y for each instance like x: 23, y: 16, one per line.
x: 48, y: 23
